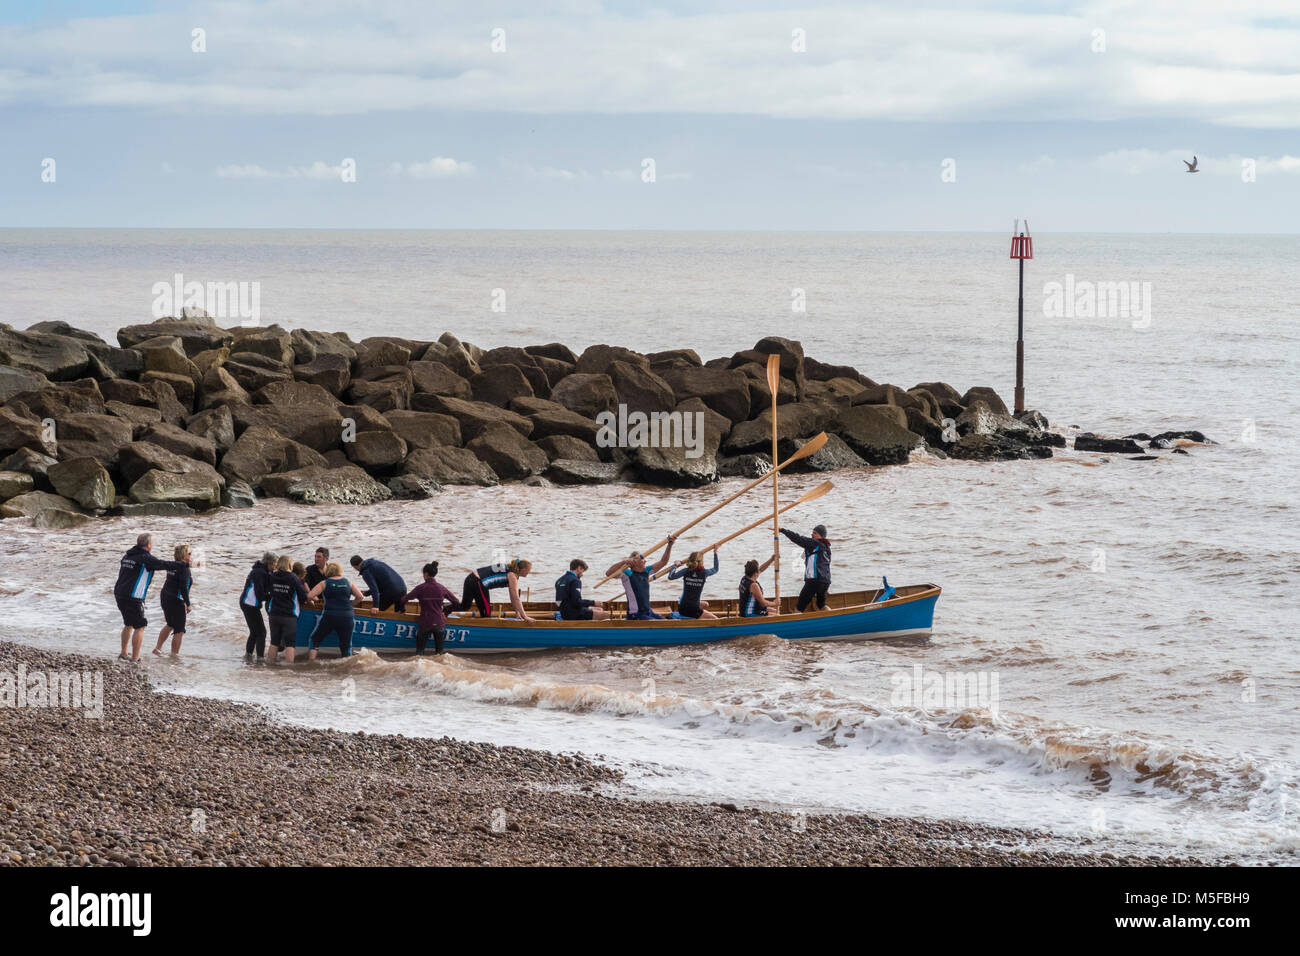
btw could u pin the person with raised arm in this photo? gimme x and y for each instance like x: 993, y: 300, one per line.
x: 635, y: 575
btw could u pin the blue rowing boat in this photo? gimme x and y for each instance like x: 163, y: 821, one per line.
x: 849, y: 616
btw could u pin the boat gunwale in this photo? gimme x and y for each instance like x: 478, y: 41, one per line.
x: 926, y: 592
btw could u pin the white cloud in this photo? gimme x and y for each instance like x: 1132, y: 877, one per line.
x: 318, y: 170
x: 246, y: 171
x: 937, y: 60
x: 439, y: 167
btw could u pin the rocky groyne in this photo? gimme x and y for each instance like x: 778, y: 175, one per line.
x: 182, y: 415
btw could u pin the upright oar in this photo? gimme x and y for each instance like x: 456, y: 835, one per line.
x: 811, y: 447
x: 816, y: 493
x: 773, y: 386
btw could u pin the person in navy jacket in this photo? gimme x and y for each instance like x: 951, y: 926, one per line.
x: 384, y: 585
x: 133, y: 578
x: 816, y: 567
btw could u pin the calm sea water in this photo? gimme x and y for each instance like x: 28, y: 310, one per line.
x: 1140, y: 616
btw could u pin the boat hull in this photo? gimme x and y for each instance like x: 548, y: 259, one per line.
x: 909, y: 614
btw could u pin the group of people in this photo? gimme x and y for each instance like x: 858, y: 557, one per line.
x: 280, y: 587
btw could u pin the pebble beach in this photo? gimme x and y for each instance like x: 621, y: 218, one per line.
x: 169, y: 780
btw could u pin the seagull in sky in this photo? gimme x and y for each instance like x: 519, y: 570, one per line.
x: 1191, y: 167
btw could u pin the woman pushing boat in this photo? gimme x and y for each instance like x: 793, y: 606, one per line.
x: 337, y: 618
x: 479, y: 585
x: 435, y: 601
x: 694, y: 573
x: 752, y: 601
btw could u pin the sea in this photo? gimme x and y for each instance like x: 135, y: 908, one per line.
x: 1133, y: 624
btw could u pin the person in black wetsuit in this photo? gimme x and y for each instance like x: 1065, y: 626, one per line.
x: 175, y: 602
x: 256, y: 592
x: 817, y: 567
x: 133, y: 578
x: 288, y: 595
x: 479, y: 584
x: 337, y: 619
x: 569, y: 599
x: 316, y: 571
x: 384, y: 586
x: 752, y: 601
x: 689, y: 604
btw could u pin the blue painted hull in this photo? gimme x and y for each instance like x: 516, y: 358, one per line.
x: 909, y: 614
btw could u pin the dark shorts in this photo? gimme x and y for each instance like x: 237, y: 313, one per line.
x: 576, y: 614
x: 174, y: 615
x: 284, y: 631
x: 690, y: 611
x: 132, y: 612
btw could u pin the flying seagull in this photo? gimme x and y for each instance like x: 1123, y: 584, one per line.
x: 1191, y: 167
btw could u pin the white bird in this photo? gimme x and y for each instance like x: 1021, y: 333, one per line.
x: 1191, y: 167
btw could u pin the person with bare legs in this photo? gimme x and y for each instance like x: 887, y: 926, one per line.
x: 175, y: 602
x: 133, y: 578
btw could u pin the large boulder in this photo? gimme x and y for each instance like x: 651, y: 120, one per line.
x: 639, y: 388
x: 22, y: 431
x: 139, y: 416
x: 597, y: 359
x: 215, y: 425
x: 551, y: 418
x: 985, y: 394
x: 316, y: 426
x: 834, y: 391
x: 196, y: 335
x: 567, y: 447
x: 449, y: 466
x: 799, y: 420
x: 586, y: 393
x: 999, y: 447
x: 365, y: 419
x: 198, y: 490
x: 760, y: 395
x: 127, y: 392
x: 309, y: 346
x: 816, y: 371
x: 261, y: 451
x: 726, y: 391
x: 832, y: 456
x: 29, y: 462
x: 582, y: 471
x: 314, y: 485
x: 57, y: 357
x: 251, y: 371
x: 220, y: 387
x: 62, y: 399
x: 166, y: 354
x: 557, y: 351
x: 424, y: 429
x: 181, y: 442
x: 376, y: 451
x: 34, y: 504
x: 379, y: 352
x: 15, y: 483
x: 272, y: 342
x: 89, y: 426
x: 435, y: 378
x: 473, y: 416
x: 676, y: 466
x: 792, y: 360
x: 383, y: 387
x: 181, y: 385
x: 509, y: 454
x: 1116, y: 446
x: 878, y: 433
x: 292, y: 394
x: 14, y: 381
x: 330, y: 370
x: 979, y: 419
x: 165, y: 400
x: 498, y: 384
x: 139, y: 457
x: 85, y: 481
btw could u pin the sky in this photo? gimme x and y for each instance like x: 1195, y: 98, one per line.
x: 934, y: 115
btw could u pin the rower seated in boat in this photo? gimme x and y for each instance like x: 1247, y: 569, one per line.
x: 635, y: 575
x: 694, y: 574
x: 752, y: 601
x: 479, y: 584
x: 569, y: 599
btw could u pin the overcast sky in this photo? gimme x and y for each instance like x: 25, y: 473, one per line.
x: 933, y: 115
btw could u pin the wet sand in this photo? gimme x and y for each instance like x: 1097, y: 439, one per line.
x: 170, y: 780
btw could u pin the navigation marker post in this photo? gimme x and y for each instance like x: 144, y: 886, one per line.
x: 1022, y: 248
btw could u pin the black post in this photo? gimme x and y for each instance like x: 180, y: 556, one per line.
x: 1020, y: 345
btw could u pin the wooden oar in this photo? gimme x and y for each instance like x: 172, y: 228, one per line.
x: 816, y: 493
x: 774, y: 385
x: 810, y: 447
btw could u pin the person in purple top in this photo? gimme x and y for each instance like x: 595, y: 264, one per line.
x: 435, y: 601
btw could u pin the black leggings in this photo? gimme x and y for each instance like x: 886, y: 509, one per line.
x: 330, y: 625
x: 477, y: 595
x: 256, y: 630
x: 813, y: 591
x: 422, y: 639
